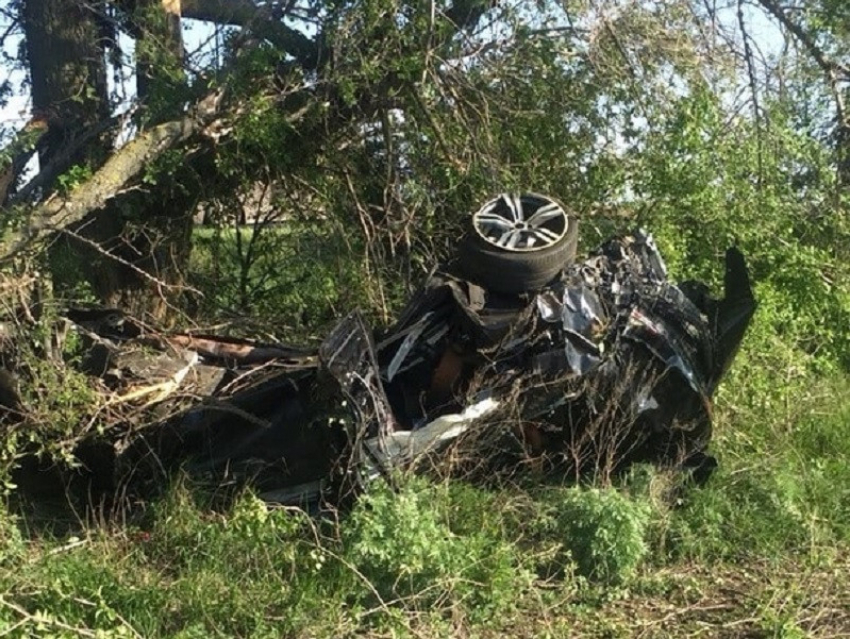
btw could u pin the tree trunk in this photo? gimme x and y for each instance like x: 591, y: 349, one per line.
x: 155, y: 246
x: 134, y: 253
x: 69, y: 91
x: 68, y: 74
x: 141, y: 263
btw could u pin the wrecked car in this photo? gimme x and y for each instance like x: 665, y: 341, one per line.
x: 513, y: 355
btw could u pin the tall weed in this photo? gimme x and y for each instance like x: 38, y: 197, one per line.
x: 404, y: 546
x: 604, y: 531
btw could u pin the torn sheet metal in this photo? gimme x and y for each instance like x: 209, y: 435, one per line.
x: 627, y: 277
x: 579, y: 313
x: 404, y: 448
x: 348, y: 354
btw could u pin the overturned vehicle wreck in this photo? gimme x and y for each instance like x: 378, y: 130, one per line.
x: 513, y: 355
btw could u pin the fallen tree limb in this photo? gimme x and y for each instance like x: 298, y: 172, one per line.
x: 243, y: 352
x: 62, y: 159
x: 107, y: 182
x: 119, y: 173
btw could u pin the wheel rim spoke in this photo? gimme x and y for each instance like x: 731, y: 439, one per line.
x: 489, y: 208
x: 516, y: 213
x: 494, y: 220
x: 504, y: 238
x: 545, y: 234
x: 545, y: 213
x: 510, y: 239
x: 518, y: 207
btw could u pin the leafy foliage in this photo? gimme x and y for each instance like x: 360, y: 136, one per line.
x: 404, y: 548
x: 602, y: 530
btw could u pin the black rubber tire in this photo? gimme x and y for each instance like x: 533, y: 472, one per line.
x: 513, y: 272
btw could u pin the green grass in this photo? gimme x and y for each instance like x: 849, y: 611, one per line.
x: 761, y: 550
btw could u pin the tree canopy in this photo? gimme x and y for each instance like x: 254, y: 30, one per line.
x: 332, y: 149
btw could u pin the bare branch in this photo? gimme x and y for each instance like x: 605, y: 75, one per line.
x: 826, y: 63
x: 830, y: 67
x: 751, y: 72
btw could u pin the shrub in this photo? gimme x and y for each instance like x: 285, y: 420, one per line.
x: 403, y: 544
x: 602, y: 530
x: 11, y: 541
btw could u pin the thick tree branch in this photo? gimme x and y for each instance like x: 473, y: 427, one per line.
x: 124, y: 165
x: 61, y: 160
x: 260, y: 20
x: 263, y: 21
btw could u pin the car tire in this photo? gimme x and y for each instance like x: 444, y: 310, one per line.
x: 523, y: 267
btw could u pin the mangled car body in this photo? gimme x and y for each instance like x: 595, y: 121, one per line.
x: 513, y: 353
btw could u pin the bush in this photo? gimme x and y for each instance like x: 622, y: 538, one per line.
x: 783, y: 484
x: 12, y: 545
x: 403, y: 545
x: 602, y: 531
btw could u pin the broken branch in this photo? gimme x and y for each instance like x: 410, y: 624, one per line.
x: 125, y: 164
x: 242, y: 351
